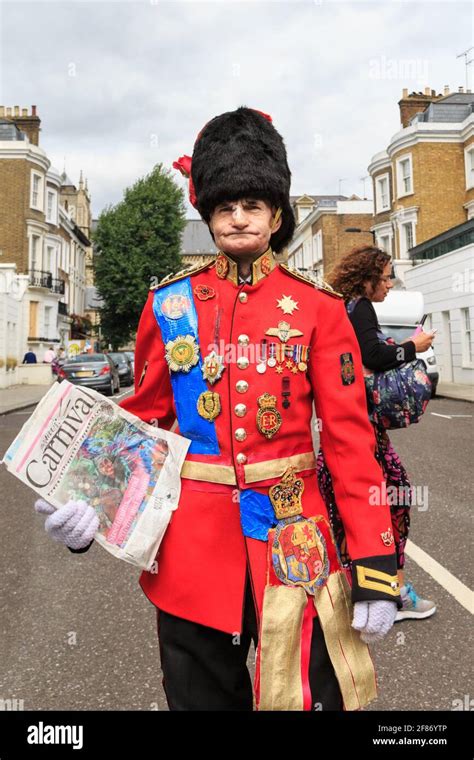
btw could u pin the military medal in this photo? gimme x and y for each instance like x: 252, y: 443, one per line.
x: 175, y: 306
x: 271, y: 360
x: 287, y: 305
x: 285, y: 392
x: 262, y: 364
x: 182, y: 353
x: 283, y: 331
x: 212, y: 367
x: 268, y: 417
x: 209, y: 405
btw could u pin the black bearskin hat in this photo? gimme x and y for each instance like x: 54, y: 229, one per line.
x: 240, y: 154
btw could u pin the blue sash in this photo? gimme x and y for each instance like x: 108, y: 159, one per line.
x: 187, y: 386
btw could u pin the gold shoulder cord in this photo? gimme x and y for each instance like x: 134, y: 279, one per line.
x: 190, y: 270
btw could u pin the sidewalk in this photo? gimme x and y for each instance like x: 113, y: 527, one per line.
x: 461, y: 391
x: 20, y: 396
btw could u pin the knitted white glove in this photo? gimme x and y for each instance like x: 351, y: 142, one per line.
x: 74, y: 524
x: 374, y: 619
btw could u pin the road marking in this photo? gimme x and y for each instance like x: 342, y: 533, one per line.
x: 125, y: 393
x: 447, y: 580
x: 450, y: 416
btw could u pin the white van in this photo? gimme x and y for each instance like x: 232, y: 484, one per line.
x: 398, y: 315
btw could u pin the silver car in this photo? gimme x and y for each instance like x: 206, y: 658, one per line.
x: 96, y: 371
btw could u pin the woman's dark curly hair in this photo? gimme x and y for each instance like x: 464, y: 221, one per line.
x: 359, y: 265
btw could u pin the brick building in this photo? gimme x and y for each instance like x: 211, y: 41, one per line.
x: 424, y: 180
x: 320, y: 238
x: 44, y: 236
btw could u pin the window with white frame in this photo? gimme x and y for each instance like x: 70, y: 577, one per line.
x: 407, y: 237
x: 318, y: 246
x: 404, y: 176
x: 307, y: 254
x: 382, y: 193
x: 36, y: 195
x: 49, y: 262
x: 469, y: 166
x: 466, y: 337
x: 51, y: 206
x: 47, y: 321
x: 35, y: 253
x: 384, y: 242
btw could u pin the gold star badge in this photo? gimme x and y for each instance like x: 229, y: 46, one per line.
x: 287, y: 305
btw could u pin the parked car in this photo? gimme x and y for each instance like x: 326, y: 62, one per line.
x: 96, y: 371
x: 399, y: 315
x: 123, y: 364
x: 131, y: 356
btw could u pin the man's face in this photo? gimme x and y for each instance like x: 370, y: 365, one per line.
x: 243, y: 227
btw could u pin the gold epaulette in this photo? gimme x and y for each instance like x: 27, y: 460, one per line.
x: 315, y: 283
x: 190, y: 270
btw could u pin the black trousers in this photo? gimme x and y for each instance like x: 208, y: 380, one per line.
x: 206, y: 669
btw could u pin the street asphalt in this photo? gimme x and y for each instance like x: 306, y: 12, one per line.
x: 77, y: 633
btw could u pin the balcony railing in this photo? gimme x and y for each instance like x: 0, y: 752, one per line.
x: 39, y: 279
x: 58, y: 286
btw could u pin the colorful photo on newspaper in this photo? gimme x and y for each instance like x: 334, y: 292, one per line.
x: 79, y: 445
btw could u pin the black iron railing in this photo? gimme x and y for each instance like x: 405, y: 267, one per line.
x: 39, y: 279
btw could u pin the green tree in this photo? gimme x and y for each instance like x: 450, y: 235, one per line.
x: 138, y: 242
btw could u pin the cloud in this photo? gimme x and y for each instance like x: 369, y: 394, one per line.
x: 121, y: 86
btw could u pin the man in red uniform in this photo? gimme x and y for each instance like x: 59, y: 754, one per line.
x: 233, y: 354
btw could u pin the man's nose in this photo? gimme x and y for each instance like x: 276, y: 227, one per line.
x: 238, y: 215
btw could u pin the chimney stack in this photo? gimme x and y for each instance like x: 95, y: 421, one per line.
x: 28, y: 123
x: 416, y: 102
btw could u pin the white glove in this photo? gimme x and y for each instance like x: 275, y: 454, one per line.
x: 374, y: 619
x: 74, y: 524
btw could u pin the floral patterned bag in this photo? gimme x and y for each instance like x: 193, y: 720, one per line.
x: 396, y: 397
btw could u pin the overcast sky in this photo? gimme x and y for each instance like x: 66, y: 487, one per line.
x: 121, y: 86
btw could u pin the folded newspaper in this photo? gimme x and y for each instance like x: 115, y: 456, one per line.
x: 79, y: 445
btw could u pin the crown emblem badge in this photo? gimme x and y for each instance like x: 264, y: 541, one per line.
x: 286, y: 495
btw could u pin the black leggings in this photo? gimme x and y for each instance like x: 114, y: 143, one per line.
x: 206, y: 669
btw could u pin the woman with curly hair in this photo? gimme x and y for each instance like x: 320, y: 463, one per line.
x: 363, y: 276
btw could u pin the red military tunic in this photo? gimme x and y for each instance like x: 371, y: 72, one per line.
x: 202, y: 561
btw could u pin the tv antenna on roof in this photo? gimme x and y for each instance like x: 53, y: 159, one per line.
x: 466, y: 63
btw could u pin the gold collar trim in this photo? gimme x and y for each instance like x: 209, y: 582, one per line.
x: 227, y: 269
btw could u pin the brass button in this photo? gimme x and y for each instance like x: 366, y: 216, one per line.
x: 243, y: 297
x: 240, y: 410
x: 241, y: 458
x: 242, y: 362
x: 243, y: 340
x: 241, y: 386
x: 240, y: 434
